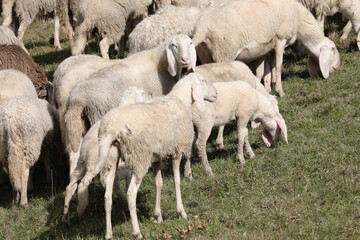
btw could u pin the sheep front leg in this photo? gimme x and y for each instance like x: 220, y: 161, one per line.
x: 248, y: 149
x: 220, y: 138
x: 176, y: 172
x: 242, y: 132
x: 131, y: 198
x: 202, y: 137
x: 346, y: 31
x: 56, y: 32
x: 158, y: 184
x: 104, y: 47
x: 279, y: 52
x: 108, y: 200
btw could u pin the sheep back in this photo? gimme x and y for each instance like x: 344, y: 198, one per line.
x: 13, y: 56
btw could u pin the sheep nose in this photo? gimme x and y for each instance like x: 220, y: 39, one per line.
x: 185, y: 59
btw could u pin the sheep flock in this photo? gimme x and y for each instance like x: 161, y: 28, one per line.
x: 142, y: 84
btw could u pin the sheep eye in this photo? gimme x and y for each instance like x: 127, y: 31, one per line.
x: 173, y: 45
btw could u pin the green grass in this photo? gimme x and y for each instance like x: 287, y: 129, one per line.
x: 307, y: 189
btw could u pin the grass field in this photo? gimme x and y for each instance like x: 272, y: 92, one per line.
x: 306, y: 189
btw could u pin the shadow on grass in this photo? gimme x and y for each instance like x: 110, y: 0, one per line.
x: 53, y: 57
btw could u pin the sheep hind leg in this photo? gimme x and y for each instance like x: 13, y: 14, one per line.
x: 176, y: 172
x: 108, y: 200
x: 22, y: 28
x: 131, y: 197
x: 83, y: 192
x: 56, y: 32
x: 104, y: 45
x: 70, y: 191
x: 24, y: 180
x: 279, y: 54
x: 7, y: 7
x: 158, y: 184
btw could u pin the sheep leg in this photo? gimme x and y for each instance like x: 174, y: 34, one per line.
x: 70, y: 191
x: 24, y: 181
x: 267, y: 73
x: 30, y: 185
x: 279, y: 52
x: 56, y: 32
x: 121, y: 46
x: 104, y: 47
x: 346, y: 31
x: 7, y: 7
x: 131, y: 198
x: 176, y: 172
x: 22, y: 28
x: 83, y: 192
x: 108, y: 200
x: 158, y: 184
x: 203, y: 135
x: 242, y: 132
x: 79, y: 41
x: 73, y: 159
x: 220, y: 138
x: 248, y: 149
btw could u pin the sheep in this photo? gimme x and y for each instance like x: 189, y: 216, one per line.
x: 156, y: 29
x: 155, y: 70
x: 109, y: 17
x: 236, y: 70
x: 15, y: 84
x: 8, y: 37
x: 144, y: 134
x: 241, y: 26
x: 237, y: 100
x: 89, y: 157
x: 13, y: 56
x: 27, y: 126
x: 349, y: 8
x: 27, y: 10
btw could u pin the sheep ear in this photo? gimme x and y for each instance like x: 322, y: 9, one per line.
x: 172, y: 68
x: 324, y: 61
x: 313, y: 66
x: 266, y: 136
x: 193, y: 56
x: 282, y: 125
x: 198, y: 97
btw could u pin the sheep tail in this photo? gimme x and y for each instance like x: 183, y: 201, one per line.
x: 74, y: 124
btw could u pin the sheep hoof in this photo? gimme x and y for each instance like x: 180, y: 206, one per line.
x: 157, y: 219
x: 66, y: 218
x: 108, y: 236
x: 183, y: 214
x: 281, y: 94
x: 220, y: 146
x: 137, y: 235
x: 251, y: 155
x: 188, y: 176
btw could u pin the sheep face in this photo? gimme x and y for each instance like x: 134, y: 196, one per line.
x: 328, y: 60
x: 272, y: 131
x: 203, y: 89
x: 180, y: 52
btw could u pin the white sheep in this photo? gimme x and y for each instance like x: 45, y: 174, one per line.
x: 157, y: 28
x: 15, y: 84
x: 349, y: 8
x: 237, y: 100
x: 147, y: 133
x: 223, y: 33
x: 109, y: 17
x: 88, y: 159
x: 155, y: 70
x: 8, y: 37
x: 69, y: 72
x: 27, y: 10
x: 27, y: 126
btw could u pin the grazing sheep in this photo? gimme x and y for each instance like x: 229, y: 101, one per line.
x: 8, y: 37
x: 15, y: 84
x: 71, y: 71
x: 88, y: 159
x: 13, y: 56
x: 27, y: 126
x: 27, y: 10
x: 349, y: 8
x: 241, y: 27
x: 109, y: 17
x: 144, y: 134
x: 237, y: 100
x: 155, y: 70
x: 158, y: 28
